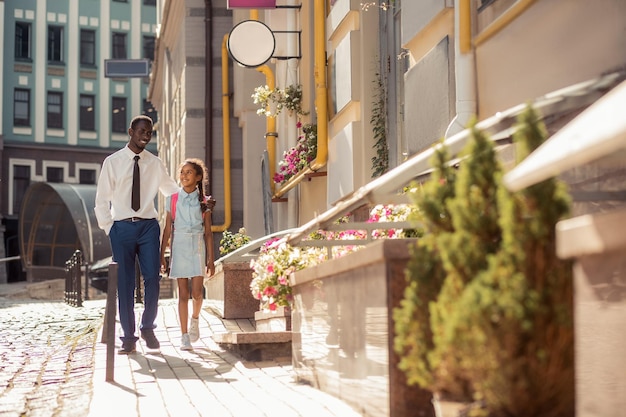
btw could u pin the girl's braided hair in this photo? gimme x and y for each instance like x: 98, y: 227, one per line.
x: 201, y: 169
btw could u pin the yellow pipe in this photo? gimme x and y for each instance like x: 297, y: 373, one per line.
x: 270, y: 130
x: 501, y: 22
x: 465, y: 26
x: 321, y: 98
x: 225, y: 140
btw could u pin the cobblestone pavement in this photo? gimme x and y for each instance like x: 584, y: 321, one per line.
x: 52, y: 363
x: 46, y: 357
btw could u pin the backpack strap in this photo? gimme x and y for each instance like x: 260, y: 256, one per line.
x: 173, y: 201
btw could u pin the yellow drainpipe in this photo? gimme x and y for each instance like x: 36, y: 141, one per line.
x: 270, y: 130
x: 465, y: 27
x: 321, y: 99
x: 225, y: 140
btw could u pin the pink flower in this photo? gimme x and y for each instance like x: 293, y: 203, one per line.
x: 272, y: 306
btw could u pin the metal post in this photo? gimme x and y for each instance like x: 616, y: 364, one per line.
x: 108, y: 331
x: 78, y: 263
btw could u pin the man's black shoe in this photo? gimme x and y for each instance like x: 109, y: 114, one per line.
x: 128, y: 347
x: 151, y: 340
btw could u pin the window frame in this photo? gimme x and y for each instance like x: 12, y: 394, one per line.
x: 21, y: 122
x: 19, y: 53
x: 56, y: 44
x: 119, y: 48
x: 149, y: 43
x: 54, y: 119
x: 87, y: 118
x: 87, y: 48
x: 118, y: 118
x: 21, y: 181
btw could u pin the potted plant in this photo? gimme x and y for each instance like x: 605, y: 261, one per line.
x: 272, y: 101
x: 298, y: 157
x: 230, y: 241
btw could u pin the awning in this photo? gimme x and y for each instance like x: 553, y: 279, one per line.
x: 56, y: 220
x: 598, y: 131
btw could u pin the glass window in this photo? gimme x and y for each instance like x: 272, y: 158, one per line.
x: 119, y: 124
x: 87, y: 47
x: 87, y: 112
x: 54, y: 174
x: 149, y: 2
x: 55, y: 43
x: 22, y: 40
x: 21, y: 107
x: 148, y: 47
x: 55, y: 110
x: 21, y: 181
x: 119, y: 45
x: 87, y: 176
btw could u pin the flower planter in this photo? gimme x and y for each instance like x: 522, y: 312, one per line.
x: 342, y: 330
x: 445, y: 407
x: 227, y: 292
x: 273, y: 321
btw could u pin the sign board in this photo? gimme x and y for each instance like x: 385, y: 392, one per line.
x: 251, y: 43
x: 126, y: 68
x: 251, y: 4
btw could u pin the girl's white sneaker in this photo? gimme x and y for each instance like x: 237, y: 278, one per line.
x: 185, y: 343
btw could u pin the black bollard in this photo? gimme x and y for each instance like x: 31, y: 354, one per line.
x: 108, y: 331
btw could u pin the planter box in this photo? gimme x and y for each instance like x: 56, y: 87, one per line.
x: 228, y: 294
x: 342, y: 330
x: 273, y: 321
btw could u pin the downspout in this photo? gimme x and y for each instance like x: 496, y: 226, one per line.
x: 208, y: 94
x: 225, y: 139
x: 465, y: 68
x: 271, y: 135
x: 321, y: 98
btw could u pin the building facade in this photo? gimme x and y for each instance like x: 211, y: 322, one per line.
x: 61, y: 112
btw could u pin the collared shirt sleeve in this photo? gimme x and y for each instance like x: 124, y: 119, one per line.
x: 167, y: 185
x: 104, y: 193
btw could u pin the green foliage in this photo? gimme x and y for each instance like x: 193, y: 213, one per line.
x: 378, y: 121
x: 232, y: 241
x: 487, y: 313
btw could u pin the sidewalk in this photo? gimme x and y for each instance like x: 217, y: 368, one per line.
x: 207, y: 381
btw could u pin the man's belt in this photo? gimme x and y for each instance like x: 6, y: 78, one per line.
x: 134, y: 219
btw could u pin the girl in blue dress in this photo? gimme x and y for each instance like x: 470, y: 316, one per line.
x: 188, y: 234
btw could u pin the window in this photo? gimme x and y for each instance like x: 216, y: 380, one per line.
x: 21, y: 181
x: 55, y: 44
x: 55, y: 110
x: 119, y: 45
x: 148, y: 47
x: 54, y: 174
x: 87, y: 176
x: 149, y: 2
x: 87, y: 47
x: 87, y: 112
x: 149, y: 110
x: 21, y: 107
x: 22, y: 40
x: 119, y: 115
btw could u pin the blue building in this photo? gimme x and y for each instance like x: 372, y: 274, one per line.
x: 61, y: 112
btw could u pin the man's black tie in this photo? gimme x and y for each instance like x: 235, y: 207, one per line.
x: 136, y: 195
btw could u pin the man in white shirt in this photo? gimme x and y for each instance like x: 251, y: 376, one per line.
x: 134, y: 231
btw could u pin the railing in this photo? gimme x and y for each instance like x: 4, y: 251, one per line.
x: 73, y: 290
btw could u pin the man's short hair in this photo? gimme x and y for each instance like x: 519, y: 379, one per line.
x: 137, y: 119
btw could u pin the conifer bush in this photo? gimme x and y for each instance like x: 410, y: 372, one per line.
x: 487, y: 313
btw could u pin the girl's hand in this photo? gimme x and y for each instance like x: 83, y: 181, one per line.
x: 210, y: 268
